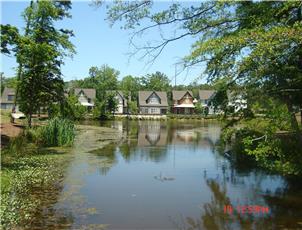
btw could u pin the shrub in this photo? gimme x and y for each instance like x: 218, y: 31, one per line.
x: 58, y: 132
x: 69, y: 108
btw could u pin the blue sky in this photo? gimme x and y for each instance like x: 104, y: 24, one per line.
x: 97, y: 44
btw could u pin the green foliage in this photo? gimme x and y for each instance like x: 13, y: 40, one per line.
x: 157, y: 81
x: 111, y: 102
x: 130, y: 85
x: 58, y: 132
x: 39, y: 52
x: 102, y: 79
x: 260, y: 140
x: 256, y: 44
x: 22, y: 176
x: 10, y: 82
x: 199, y: 109
x: 132, y: 106
x: 69, y: 108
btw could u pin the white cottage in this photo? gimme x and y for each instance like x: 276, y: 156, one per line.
x: 205, y: 97
x: 86, y: 97
x: 122, y: 101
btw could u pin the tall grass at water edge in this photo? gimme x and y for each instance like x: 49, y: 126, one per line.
x: 58, y: 132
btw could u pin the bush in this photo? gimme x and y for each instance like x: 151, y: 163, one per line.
x: 69, y: 108
x: 258, y: 140
x: 57, y: 132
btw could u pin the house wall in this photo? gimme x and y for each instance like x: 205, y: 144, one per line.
x: 120, y: 105
x: 119, y: 109
x: 187, y: 99
x: 152, y: 110
x: 183, y: 110
x: 82, y: 98
x: 153, y: 100
x: 7, y: 105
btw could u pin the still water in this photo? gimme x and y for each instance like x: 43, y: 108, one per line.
x: 170, y: 175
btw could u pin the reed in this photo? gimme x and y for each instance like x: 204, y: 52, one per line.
x: 58, y: 132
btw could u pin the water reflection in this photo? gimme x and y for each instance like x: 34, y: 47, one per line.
x: 169, y: 175
x: 282, y: 215
x: 107, y: 157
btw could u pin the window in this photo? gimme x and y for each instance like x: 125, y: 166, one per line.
x: 153, y: 99
x: 10, y: 97
x: 154, y: 110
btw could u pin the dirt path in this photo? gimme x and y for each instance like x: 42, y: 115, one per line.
x: 9, y: 130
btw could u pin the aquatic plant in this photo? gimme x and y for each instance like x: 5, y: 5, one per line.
x: 58, y: 132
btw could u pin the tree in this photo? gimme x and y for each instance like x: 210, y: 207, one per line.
x: 257, y: 44
x: 102, y: 79
x: 130, y: 86
x: 69, y: 108
x: 40, y: 53
x: 157, y: 81
x: 111, y: 102
x: 9, y: 82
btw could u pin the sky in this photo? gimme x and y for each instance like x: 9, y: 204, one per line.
x: 97, y: 43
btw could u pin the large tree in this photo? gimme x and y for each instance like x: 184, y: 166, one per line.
x: 102, y: 79
x: 39, y: 52
x: 156, y: 81
x: 255, y: 44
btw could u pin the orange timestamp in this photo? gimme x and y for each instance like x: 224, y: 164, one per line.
x: 246, y: 209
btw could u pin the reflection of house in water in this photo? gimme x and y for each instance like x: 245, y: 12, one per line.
x: 152, y: 134
x: 204, y: 136
x: 186, y: 136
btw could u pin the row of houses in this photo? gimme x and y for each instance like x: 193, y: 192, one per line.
x: 156, y: 102
x: 149, y: 102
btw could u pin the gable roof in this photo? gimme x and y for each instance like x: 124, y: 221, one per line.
x: 90, y: 93
x: 144, y: 95
x: 118, y: 92
x: 206, y: 94
x: 179, y: 94
x: 6, y: 92
x: 121, y: 94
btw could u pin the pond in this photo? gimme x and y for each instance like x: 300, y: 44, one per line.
x: 170, y: 175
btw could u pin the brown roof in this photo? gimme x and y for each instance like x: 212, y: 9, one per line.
x: 144, y: 95
x: 179, y: 94
x: 90, y: 93
x: 206, y: 94
x: 6, y: 92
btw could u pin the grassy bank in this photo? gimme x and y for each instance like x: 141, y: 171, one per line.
x: 31, y: 174
x: 29, y: 183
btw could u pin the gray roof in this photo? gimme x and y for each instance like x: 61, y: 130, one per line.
x: 179, y: 94
x: 90, y: 93
x: 144, y: 95
x: 206, y: 94
x: 6, y: 92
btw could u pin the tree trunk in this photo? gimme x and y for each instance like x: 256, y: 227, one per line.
x: 294, y: 122
x: 293, y: 119
x: 301, y: 116
x: 29, y: 119
x: 19, y: 74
